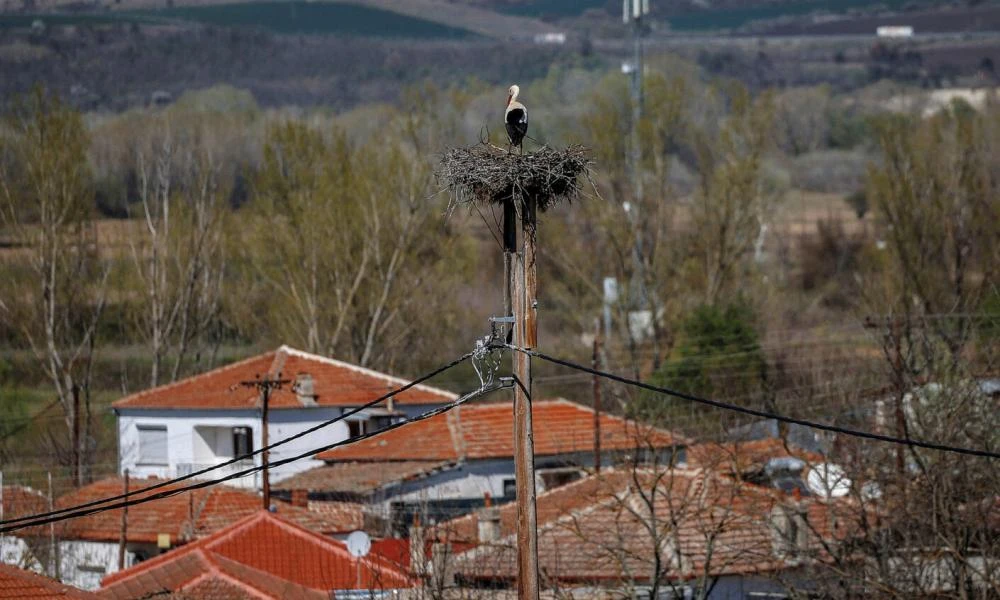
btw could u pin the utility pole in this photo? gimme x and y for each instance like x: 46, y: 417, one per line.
x: 77, y: 471
x: 264, y: 386
x: 53, y: 549
x: 1, y: 508
x: 525, y: 304
x: 123, y: 533
x: 596, y: 365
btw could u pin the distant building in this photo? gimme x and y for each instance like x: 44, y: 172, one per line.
x: 894, y: 31
x: 553, y: 37
x: 208, y: 419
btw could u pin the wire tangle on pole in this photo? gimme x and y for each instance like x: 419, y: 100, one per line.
x: 248, y: 455
x: 52, y: 517
x: 758, y: 413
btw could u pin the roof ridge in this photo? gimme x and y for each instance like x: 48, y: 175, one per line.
x: 219, y: 571
x: 172, y: 384
x: 677, y: 437
x: 184, y: 550
x: 364, y: 370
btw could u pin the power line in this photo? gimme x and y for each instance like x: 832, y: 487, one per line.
x: 758, y: 413
x: 249, y: 455
x: 54, y: 516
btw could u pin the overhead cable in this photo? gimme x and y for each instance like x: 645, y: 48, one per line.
x: 129, y: 499
x: 756, y: 412
x: 249, y: 455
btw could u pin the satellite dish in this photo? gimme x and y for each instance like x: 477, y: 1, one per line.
x: 358, y: 544
x: 828, y: 480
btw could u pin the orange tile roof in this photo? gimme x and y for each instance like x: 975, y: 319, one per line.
x: 592, y: 532
x: 261, y: 543
x: 186, y: 516
x: 335, y: 383
x: 20, y: 584
x: 207, y: 575
x: 358, y: 477
x: 349, y: 515
x: 484, y: 431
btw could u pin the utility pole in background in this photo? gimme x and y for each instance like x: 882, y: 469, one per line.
x: 123, y: 534
x: 596, y: 365
x: 264, y: 386
x: 77, y: 455
x: 53, y: 548
x: 525, y: 304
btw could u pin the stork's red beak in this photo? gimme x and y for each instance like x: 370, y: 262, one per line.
x: 509, y: 96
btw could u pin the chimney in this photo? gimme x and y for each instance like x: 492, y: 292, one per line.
x: 489, y: 524
x: 305, y: 391
x: 418, y: 555
x: 442, y: 564
x: 300, y: 498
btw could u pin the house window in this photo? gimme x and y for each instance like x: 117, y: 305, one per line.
x: 357, y: 428
x: 242, y: 441
x: 152, y: 444
x: 509, y: 488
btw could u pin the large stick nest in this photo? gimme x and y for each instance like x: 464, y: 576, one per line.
x: 487, y: 174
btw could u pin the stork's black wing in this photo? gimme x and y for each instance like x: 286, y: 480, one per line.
x: 517, y: 125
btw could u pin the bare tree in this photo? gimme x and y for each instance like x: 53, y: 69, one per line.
x: 178, y: 252
x: 349, y: 238
x: 47, y: 200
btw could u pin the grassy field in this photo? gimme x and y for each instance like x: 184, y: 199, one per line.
x: 733, y: 18
x: 313, y: 18
x: 550, y: 8
x: 23, y: 21
x: 297, y: 17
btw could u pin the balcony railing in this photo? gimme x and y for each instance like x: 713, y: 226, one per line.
x: 249, y: 481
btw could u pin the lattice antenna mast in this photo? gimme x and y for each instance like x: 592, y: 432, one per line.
x: 634, y: 13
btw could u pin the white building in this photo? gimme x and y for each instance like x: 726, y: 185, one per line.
x: 209, y: 419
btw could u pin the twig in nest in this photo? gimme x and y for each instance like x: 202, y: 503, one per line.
x: 486, y: 174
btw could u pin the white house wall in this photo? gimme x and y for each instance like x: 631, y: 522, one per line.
x: 83, y: 564
x: 184, y: 446
x: 466, y: 481
x: 15, y: 551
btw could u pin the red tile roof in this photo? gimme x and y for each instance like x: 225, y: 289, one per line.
x: 20, y: 584
x: 261, y: 543
x: 358, y: 477
x: 335, y: 383
x: 485, y: 431
x: 550, y: 505
x: 186, y: 516
x: 708, y: 524
x: 350, y: 516
x: 207, y: 575
x: 20, y: 501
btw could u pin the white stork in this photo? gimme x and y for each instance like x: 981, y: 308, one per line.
x: 515, y: 118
